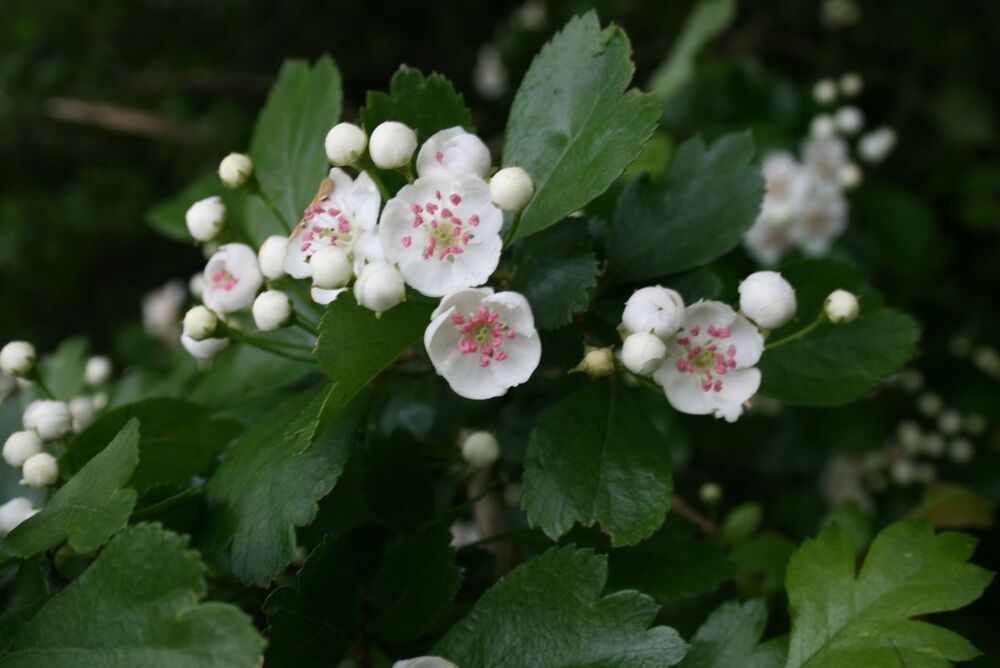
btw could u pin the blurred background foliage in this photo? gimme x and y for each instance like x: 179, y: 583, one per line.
x: 109, y: 107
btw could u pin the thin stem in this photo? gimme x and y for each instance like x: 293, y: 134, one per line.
x: 799, y: 334
x: 266, y: 346
x: 366, y: 164
x: 167, y: 504
x: 406, y: 172
x: 513, y: 229
x: 305, y: 323
x: 36, y: 377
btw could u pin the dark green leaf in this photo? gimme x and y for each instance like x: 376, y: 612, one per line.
x: 730, y: 637
x: 426, y: 104
x: 26, y: 596
x: 243, y: 373
x: 950, y: 506
x: 697, y: 211
x: 572, y: 126
x: 63, y: 370
x: 549, y: 613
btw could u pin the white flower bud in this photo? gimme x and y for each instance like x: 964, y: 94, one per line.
x: 655, y: 309
x: 205, y: 218
x: 82, y: 410
x: 196, y: 285
x: 902, y: 471
x: 767, y: 299
x: 911, y: 437
x: 950, y: 422
x: 100, y: 401
x: 235, y: 170
x: 930, y: 404
x: 848, y: 175
x: 14, y: 512
x: 851, y: 84
x: 424, y: 662
x: 272, y: 310
x: 392, y: 145
x: 961, y: 450
x: 841, y: 306
x: 97, y: 371
x: 379, y: 287
x: 271, y: 257
x: 205, y: 349
x: 480, y: 449
x: 822, y: 127
x: 849, y: 120
x: 331, y: 268
x: 710, y: 493
x: 511, y: 188
x: 40, y: 470
x: 17, y: 359
x: 643, y: 353
x: 453, y: 152
x: 877, y: 144
x: 597, y: 362
x: 824, y: 91
x: 51, y: 419
x: 345, y: 143
x: 200, y: 322
x: 20, y: 445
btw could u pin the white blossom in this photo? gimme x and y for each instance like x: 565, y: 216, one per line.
x: 453, y: 152
x: 874, y: 146
x: 656, y: 310
x: 271, y: 310
x: 40, y: 470
x: 161, y: 311
x: 17, y: 359
x: 14, y: 512
x: 20, y: 445
x: 206, y: 218
x: 851, y: 84
x: 98, y: 371
x: 232, y: 278
x: 849, y: 120
x: 345, y: 143
x: 392, y: 145
x: 83, y: 412
x: 824, y: 91
x: 767, y: 299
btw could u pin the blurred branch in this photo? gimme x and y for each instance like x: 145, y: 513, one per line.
x: 205, y: 80
x: 117, y: 119
x: 686, y: 510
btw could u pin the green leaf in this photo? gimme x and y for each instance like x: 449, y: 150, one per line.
x: 696, y: 211
x: 731, y: 637
x: 264, y: 488
x: 762, y: 561
x: 137, y: 605
x: 25, y: 597
x: 427, y: 104
x: 63, y: 370
x: 840, y: 618
x: 287, y: 145
x: 671, y: 563
x: 813, y: 280
x: 90, y: 508
x: 354, y: 345
x: 416, y: 580
x: 572, y: 126
x: 707, y: 20
x: 950, y: 506
x: 741, y: 522
x: 595, y: 457
x: 556, y: 271
x: 178, y: 440
x: 312, y: 623
x: 549, y: 613
x: 243, y: 373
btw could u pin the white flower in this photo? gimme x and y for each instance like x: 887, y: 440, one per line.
x: 453, y: 152
x: 822, y: 126
x: 480, y: 449
x: 597, y: 362
x: 272, y: 310
x: 392, y: 144
x: 206, y: 349
x: 20, y: 445
x: 14, y: 512
x: 196, y: 285
x: 340, y: 219
x: 98, y: 371
x: 849, y: 120
x: 39, y: 471
x: 483, y: 343
x: 787, y: 186
x: 331, y: 268
x: 643, y: 353
x: 822, y: 220
x: 235, y: 169
x: 345, y: 143
x: 444, y: 233
x: 17, y: 359
x: 841, y: 306
x: 161, y: 311
x: 961, y: 450
x: 511, y: 188
x: 768, y: 241
x: 232, y: 279
x: 824, y: 91
x: 200, y: 322
x: 51, y: 419
x: 379, y: 287
x: 424, y: 662
x: 824, y: 156
x: 710, y: 362
x: 849, y: 175
x: 490, y: 76
x: 271, y: 257
x: 876, y: 145
x: 851, y: 84
x: 767, y: 299
x: 205, y: 218
x: 655, y: 309
x: 82, y: 410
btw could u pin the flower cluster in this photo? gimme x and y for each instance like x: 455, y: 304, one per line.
x: 805, y: 206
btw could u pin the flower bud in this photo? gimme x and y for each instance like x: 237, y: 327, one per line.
x: 597, y: 362
x: 848, y: 175
x: 822, y: 126
x: 930, y: 404
x: 392, y: 144
x: 849, y: 120
x: 97, y: 371
x: 20, y: 445
x: 200, y: 322
x: 643, y: 353
x: 196, y: 285
x: 331, y: 268
x: 851, y: 84
x: 710, y: 493
x: 100, y: 400
x: 961, y: 450
x: 480, y: 449
x: 877, y: 144
x: 205, y: 218
x: 204, y: 349
x: 271, y: 257
x: 39, y: 471
x: 453, y: 152
x: 511, y: 188
x: 841, y: 306
x: 17, y: 359
x: 345, y: 143
x: 82, y: 410
x: 14, y: 512
x: 272, y: 310
x: 235, y: 170
x: 51, y: 419
x: 655, y: 309
x: 824, y: 91
x: 379, y: 287
x: 767, y: 299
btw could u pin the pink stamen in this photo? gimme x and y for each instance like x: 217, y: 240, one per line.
x: 407, y: 240
x: 439, y: 156
x: 474, y: 220
x: 696, y: 330
x: 455, y: 199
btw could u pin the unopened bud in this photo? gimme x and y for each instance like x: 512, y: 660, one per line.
x: 97, y: 371
x: 51, y: 419
x: 511, y: 188
x: 597, y: 362
x: 480, y: 449
x: 200, y: 322
x: 39, y: 471
x: 392, y: 145
x: 345, y: 143
x: 379, y: 287
x: 20, y: 446
x: 271, y: 257
x: 272, y: 310
x: 235, y: 170
x: 206, y: 218
x: 643, y: 353
x: 841, y: 306
x: 656, y: 310
x: 767, y: 299
x: 331, y: 268
x: 17, y: 359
